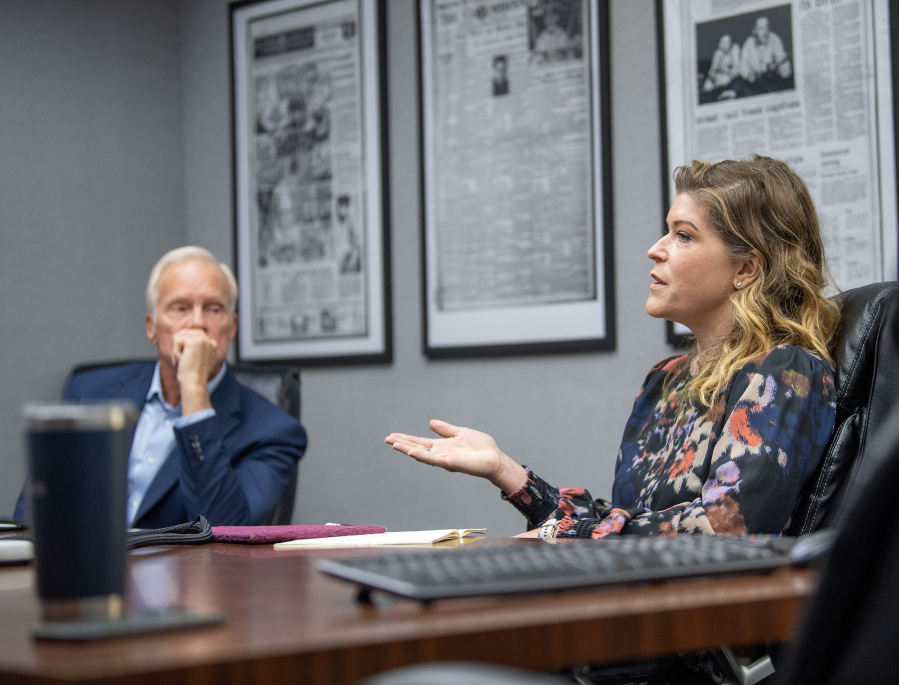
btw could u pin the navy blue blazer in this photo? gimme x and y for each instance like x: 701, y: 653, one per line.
x: 232, y: 467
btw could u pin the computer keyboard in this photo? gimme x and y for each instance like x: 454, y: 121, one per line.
x: 539, y: 566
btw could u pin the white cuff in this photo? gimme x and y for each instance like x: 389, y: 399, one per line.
x: 191, y: 419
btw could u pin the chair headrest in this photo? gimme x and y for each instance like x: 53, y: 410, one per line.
x: 865, y: 345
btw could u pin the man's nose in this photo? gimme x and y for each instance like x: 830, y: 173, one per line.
x: 197, y: 318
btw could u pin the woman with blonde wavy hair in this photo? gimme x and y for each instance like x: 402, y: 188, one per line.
x: 720, y: 440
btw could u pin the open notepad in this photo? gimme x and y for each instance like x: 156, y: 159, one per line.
x: 411, y: 537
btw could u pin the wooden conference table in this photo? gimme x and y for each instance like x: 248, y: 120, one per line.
x: 289, y: 623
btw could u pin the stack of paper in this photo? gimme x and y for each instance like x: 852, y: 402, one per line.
x: 413, y: 537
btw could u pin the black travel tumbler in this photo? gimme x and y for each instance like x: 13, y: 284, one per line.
x: 77, y: 476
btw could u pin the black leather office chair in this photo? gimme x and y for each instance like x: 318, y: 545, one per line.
x: 279, y: 384
x: 850, y: 629
x: 866, y: 353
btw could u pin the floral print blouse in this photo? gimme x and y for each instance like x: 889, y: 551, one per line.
x: 734, y: 468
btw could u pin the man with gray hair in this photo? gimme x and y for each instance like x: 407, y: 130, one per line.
x: 204, y: 444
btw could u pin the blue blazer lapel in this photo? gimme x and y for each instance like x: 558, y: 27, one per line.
x: 226, y: 402
x: 226, y: 399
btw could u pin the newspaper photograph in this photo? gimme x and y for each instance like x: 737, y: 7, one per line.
x: 807, y: 82
x: 306, y: 271
x: 513, y: 170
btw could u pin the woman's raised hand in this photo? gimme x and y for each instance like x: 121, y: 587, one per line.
x: 462, y: 450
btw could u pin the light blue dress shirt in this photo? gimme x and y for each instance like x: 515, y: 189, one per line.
x: 154, y: 438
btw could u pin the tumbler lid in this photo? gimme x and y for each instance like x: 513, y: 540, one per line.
x: 73, y: 416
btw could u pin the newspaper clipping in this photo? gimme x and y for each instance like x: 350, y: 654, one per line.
x: 510, y: 194
x: 306, y: 175
x: 795, y: 80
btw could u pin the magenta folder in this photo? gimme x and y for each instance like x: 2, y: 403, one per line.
x: 257, y: 535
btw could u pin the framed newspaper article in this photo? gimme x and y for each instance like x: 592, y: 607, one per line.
x: 517, y: 231
x: 807, y: 81
x: 310, y: 180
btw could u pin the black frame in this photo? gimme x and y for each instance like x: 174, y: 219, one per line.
x: 603, y: 221
x: 385, y: 354
x: 673, y: 338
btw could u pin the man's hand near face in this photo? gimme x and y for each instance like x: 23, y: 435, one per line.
x: 192, y: 328
x: 196, y: 359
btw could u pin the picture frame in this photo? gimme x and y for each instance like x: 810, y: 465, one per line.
x: 309, y: 104
x: 517, y: 239
x: 808, y: 82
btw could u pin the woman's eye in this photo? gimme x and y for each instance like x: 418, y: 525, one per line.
x: 683, y: 237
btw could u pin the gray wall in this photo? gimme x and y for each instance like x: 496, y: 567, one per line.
x: 91, y: 190
x: 561, y: 414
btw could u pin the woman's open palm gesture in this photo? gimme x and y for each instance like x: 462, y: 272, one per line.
x: 462, y: 450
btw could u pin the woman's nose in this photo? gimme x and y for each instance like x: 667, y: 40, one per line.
x: 657, y: 252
